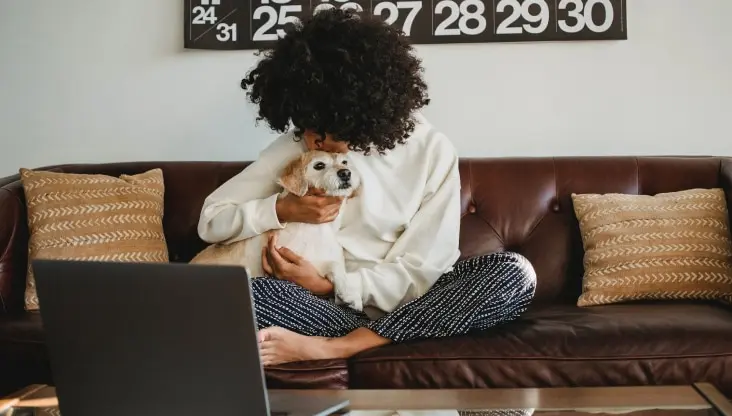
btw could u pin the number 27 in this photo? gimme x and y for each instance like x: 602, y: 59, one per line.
x: 393, y: 9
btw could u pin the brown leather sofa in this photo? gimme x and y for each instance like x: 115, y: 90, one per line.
x: 521, y: 205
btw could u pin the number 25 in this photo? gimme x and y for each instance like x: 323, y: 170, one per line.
x: 274, y: 19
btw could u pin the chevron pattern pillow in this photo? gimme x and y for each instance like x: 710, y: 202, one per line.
x: 94, y: 218
x: 668, y: 246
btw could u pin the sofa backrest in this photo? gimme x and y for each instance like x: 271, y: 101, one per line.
x: 515, y: 204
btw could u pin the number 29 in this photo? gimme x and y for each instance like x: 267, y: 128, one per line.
x: 579, y: 13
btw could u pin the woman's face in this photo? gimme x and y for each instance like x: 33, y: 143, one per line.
x: 328, y: 145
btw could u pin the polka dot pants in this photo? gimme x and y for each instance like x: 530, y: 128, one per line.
x: 478, y: 293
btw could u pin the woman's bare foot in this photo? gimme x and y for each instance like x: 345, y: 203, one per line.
x: 278, y: 345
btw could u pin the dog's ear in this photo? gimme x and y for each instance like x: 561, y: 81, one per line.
x: 293, y: 177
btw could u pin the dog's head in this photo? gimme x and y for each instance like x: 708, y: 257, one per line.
x: 317, y: 169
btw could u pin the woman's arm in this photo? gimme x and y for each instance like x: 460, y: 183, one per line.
x: 248, y: 204
x: 241, y: 208
x: 425, y: 251
x: 245, y: 206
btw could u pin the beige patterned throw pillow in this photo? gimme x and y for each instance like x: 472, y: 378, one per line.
x: 668, y: 246
x: 93, y: 218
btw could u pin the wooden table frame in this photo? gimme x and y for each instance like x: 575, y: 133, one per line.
x: 697, y: 396
x: 715, y: 398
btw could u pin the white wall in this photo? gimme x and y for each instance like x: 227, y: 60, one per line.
x: 108, y: 80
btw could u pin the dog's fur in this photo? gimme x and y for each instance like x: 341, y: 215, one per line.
x: 315, y: 242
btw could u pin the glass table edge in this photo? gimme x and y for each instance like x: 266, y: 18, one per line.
x: 711, y: 395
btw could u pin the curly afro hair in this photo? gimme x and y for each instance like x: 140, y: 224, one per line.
x: 351, y: 76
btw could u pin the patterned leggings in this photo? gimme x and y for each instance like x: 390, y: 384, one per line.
x: 477, y: 294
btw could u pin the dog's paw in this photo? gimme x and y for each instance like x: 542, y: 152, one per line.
x: 347, y: 292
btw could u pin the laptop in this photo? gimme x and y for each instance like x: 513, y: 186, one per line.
x: 157, y: 339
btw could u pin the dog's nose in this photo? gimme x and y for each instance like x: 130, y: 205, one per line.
x: 344, y: 174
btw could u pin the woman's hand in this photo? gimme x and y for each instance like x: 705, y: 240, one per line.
x: 314, y: 208
x: 284, y: 264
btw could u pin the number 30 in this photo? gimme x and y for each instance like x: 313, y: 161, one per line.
x: 585, y: 19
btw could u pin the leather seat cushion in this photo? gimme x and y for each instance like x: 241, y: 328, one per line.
x: 24, y: 360
x: 23, y: 356
x: 626, y: 344
x: 21, y: 336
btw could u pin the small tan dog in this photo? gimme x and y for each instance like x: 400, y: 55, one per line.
x: 317, y: 243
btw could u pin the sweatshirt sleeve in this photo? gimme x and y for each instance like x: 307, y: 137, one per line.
x: 427, y: 248
x: 244, y: 206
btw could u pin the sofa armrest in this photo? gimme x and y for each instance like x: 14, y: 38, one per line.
x: 13, y: 247
x: 9, y: 179
x: 725, y: 179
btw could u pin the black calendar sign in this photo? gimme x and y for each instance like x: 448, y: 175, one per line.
x: 255, y: 24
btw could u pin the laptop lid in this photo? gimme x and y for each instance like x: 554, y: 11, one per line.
x: 135, y: 339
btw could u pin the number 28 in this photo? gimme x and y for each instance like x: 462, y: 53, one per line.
x: 462, y: 15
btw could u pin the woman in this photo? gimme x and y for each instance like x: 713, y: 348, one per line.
x: 350, y: 83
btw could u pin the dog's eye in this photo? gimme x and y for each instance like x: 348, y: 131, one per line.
x: 319, y: 166
x: 345, y: 162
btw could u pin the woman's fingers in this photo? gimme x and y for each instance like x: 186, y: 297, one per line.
x: 277, y: 261
x: 289, y: 255
x: 271, y: 250
x: 272, y: 241
x: 333, y: 213
x: 265, y: 262
x: 268, y: 259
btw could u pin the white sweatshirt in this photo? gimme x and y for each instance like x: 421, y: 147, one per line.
x: 399, y: 236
